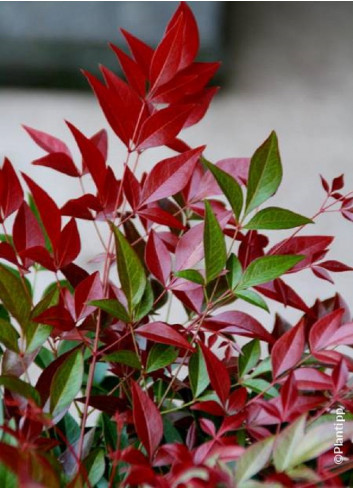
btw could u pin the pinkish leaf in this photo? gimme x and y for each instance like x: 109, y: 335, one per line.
x: 217, y: 373
x: 288, y: 350
x: 158, y: 258
x: 163, y: 333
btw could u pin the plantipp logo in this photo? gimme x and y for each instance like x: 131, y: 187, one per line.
x: 339, y: 428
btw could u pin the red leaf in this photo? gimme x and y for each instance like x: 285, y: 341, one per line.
x: 289, y: 297
x: 190, y: 41
x: 200, y: 103
x: 158, y: 215
x: 88, y: 290
x: 322, y: 331
x: 8, y: 253
x: 322, y: 274
x: 133, y: 73
x: 235, y: 322
x: 11, y: 191
x: 324, y: 184
x: 217, y: 373
x: 340, y: 375
x: 26, y: 231
x: 163, y: 333
x: 69, y: 245
x: 337, y: 183
x: 131, y: 109
x: 110, y: 105
x: 287, y: 351
x: 100, y: 139
x: 343, y: 336
x: 91, y: 155
x: 289, y: 395
x: 310, y: 379
x: 162, y: 127
x: 141, y: 52
x: 167, y: 56
x: 56, y: 316
x: 132, y: 188
x: 170, y: 176
x: 335, y: 266
x: 187, y: 82
x: 47, y: 142
x: 81, y: 207
x: 158, y: 258
x: 40, y: 255
x: 302, y: 245
x: 211, y: 407
x: 237, y: 400
x: 60, y: 162
x: 48, y: 210
x: 147, y: 419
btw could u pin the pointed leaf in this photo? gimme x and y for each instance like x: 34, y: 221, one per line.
x: 253, y: 298
x: 265, y: 173
x: 112, y: 307
x: 198, y: 375
x: 276, y: 218
x: 217, y: 373
x: 131, y: 272
x: 286, y: 443
x: 267, y: 268
x: 88, y: 290
x: 214, y: 245
x: 160, y: 356
x: 163, y: 333
x: 234, y: 271
x: 191, y: 275
x: 14, y: 296
x: 66, y: 382
x: 69, y: 245
x: 170, y: 176
x: 253, y: 460
x: 288, y: 350
x: 157, y: 258
x: 229, y: 186
x: 147, y: 419
x: 250, y: 355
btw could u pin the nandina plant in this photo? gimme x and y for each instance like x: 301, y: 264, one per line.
x: 101, y: 385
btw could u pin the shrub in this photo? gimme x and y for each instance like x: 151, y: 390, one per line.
x: 126, y: 395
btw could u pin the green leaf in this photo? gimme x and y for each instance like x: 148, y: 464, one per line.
x: 265, y: 173
x: 263, y: 367
x: 171, y: 434
x: 160, y: 356
x: 286, y: 443
x: 95, y: 466
x: 317, y: 441
x: 8, y: 336
x: 191, y: 275
x: 253, y: 459
x: 44, y: 358
x: 234, y: 271
x: 198, y: 375
x: 21, y: 388
x: 259, y: 386
x: 267, y: 268
x: 36, y: 334
x: 66, y: 382
x: 112, y: 307
x: 146, y: 303
x: 214, y: 245
x: 126, y: 357
x: 229, y: 186
x: 14, y: 296
x: 277, y: 218
x: 250, y: 356
x: 131, y: 272
x: 253, y: 298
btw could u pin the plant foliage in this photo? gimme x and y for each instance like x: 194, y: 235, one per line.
x: 102, y: 386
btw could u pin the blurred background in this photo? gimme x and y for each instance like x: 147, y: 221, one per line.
x: 287, y: 66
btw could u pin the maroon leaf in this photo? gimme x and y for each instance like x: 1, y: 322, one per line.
x: 302, y: 245
x: 170, y: 176
x: 147, y: 419
x: 48, y: 210
x: 132, y: 188
x: 26, y: 231
x: 322, y: 273
x: 82, y: 207
x: 217, y: 373
x: 133, y: 73
x: 158, y: 215
x: 162, y: 127
x: 234, y: 322
x: 322, y: 331
x: 60, y: 162
x: 200, y: 103
x: 49, y: 143
x: 8, y: 253
x: 190, y: 40
x: 310, y: 379
x: 337, y: 183
x: 167, y: 56
x: 288, y: 350
x: 158, y: 258
x: 141, y: 52
x: 335, y: 266
x: 40, y: 255
x: 340, y: 375
x: 91, y: 155
x: 288, y: 296
x: 69, y: 245
x: 88, y: 290
x: 56, y: 316
x: 11, y: 196
x: 163, y: 333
